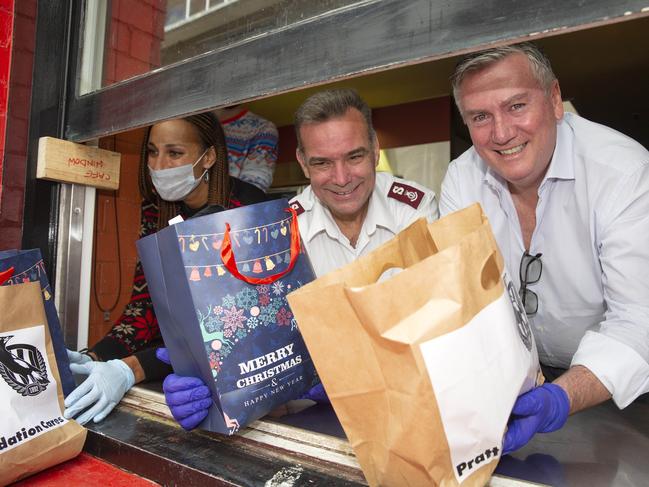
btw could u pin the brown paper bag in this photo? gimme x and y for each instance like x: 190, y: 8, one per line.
x: 405, y: 360
x: 34, y: 435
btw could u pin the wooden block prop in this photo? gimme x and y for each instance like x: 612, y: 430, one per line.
x: 69, y: 162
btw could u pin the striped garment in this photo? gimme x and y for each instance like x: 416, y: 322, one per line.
x: 252, y: 148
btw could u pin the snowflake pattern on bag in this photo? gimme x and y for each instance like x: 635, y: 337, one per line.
x: 225, y: 324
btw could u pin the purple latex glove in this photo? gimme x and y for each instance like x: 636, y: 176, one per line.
x: 188, y: 398
x: 163, y: 355
x: 541, y: 410
x: 317, y: 393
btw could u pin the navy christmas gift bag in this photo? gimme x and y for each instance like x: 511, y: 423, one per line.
x: 28, y: 266
x: 218, y: 285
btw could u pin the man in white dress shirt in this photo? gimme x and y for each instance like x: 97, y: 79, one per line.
x: 568, y: 201
x: 348, y: 209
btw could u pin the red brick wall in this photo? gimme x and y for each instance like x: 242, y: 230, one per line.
x: 14, y: 139
x: 135, y: 34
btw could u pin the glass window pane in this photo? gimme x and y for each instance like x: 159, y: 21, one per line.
x: 176, y: 11
x: 142, y: 35
x: 197, y: 6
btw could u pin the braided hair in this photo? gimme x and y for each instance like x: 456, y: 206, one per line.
x: 211, y: 134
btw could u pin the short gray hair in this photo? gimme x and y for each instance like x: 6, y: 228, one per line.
x: 330, y: 104
x: 540, y: 64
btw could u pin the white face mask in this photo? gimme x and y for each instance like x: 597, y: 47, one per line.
x: 175, y: 183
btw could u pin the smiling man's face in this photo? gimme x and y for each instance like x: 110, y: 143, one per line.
x: 512, y: 119
x: 340, y: 161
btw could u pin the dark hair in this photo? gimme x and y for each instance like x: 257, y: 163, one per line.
x: 325, y: 105
x: 211, y: 134
x: 539, y: 63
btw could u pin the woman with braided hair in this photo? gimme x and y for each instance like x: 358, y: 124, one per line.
x: 183, y: 171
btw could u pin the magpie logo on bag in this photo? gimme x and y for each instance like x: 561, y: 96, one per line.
x: 522, y: 322
x: 22, y: 367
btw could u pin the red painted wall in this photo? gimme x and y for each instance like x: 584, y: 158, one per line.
x: 14, y: 114
x: 135, y: 34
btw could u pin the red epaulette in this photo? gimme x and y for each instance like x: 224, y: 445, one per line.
x: 406, y: 194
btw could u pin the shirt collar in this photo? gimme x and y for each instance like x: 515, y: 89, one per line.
x: 491, y: 177
x: 313, y: 215
x: 321, y: 220
x: 562, y: 165
x: 234, y: 117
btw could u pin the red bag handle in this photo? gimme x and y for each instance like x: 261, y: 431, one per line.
x: 227, y: 254
x: 5, y: 275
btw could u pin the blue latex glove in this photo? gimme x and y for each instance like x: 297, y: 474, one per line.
x: 541, y: 410
x: 188, y: 398
x: 105, y: 386
x: 78, y: 357
x: 317, y: 393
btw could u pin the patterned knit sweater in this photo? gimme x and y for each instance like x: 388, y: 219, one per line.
x: 252, y: 148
